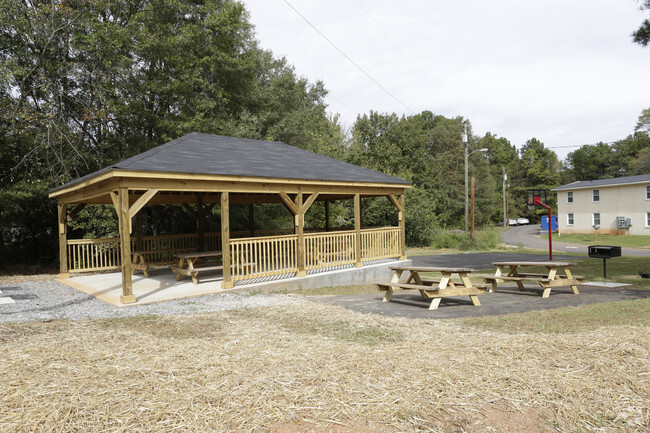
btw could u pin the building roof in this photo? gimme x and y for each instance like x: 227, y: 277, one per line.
x: 617, y: 181
x: 207, y: 154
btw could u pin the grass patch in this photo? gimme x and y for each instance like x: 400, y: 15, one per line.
x: 568, y: 319
x: 369, y: 335
x: 633, y: 241
x: 330, y: 291
x: 619, y: 269
x: 174, y: 327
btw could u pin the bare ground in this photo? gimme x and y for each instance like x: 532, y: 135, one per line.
x: 319, y: 368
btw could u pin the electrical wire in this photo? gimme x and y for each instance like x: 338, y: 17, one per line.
x: 349, y: 59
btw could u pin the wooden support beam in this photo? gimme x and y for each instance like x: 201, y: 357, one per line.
x: 200, y: 219
x: 125, y: 246
x: 141, y: 202
x: 396, y: 202
x: 357, y: 231
x: 189, y: 209
x: 327, y: 216
x: 299, y: 224
x: 290, y: 204
x: 73, y: 213
x: 116, y: 202
x: 310, y: 200
x: 225, y: 241
x: 63, y: 240
x: 401, y: 218
x: 251, y: 219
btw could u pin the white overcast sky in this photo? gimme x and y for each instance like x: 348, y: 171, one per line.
x: 563, y: 71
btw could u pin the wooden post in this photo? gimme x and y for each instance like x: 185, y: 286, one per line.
x: 299, y: 224
x: 357, y: 230
x: 225, y: 241
x: 63, y: 241
x: 402, y: 225
x: 138, y: 231
x: 200, y: 218
x: 251, y: 219
x: 125, y: 246
x: 327, y: 215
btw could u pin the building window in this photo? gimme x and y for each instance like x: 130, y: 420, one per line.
x: 595, y: 195
x: 647, y: 219
x: 569, y: 219
x: 596, y: 219
x: 569, y: 197
x: 647, y: 192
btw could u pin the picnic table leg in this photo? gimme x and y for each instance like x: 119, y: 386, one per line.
x: 513, y: 273
x: 391, y: 289
x: 180, y: 266
x: 435, y: 303
x: 190, y: 267
x: 552, y: 275
x: 468, y: 284
x: 493, y: 283
x: 569, y: 276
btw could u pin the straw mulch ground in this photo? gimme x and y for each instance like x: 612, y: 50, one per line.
x: 318, y: 368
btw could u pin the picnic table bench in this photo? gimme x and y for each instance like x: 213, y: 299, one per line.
x: 187, y: 264
x: 553, y: 278
x: 433, y: 289
x: 141, y: 260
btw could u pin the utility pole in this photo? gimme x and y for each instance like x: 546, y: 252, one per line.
x: 466, y: 144
x: 505, y: 214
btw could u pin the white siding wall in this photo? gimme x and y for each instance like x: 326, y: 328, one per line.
x: 623, y: 200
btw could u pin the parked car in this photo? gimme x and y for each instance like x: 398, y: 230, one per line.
x: 512, y: 222
x: 522, y: 221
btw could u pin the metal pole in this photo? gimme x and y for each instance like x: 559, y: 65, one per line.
x: 466, y: 188
x: 550, y: 240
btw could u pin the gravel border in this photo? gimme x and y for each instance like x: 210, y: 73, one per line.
x: 51, y: 300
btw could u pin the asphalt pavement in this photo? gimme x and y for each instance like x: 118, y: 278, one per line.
x: 528, y: 236
x: 507, y: 299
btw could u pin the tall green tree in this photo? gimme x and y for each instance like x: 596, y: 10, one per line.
x: 642, y: 35
x: 84, y: 84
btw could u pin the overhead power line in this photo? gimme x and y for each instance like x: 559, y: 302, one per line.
x: 349, y: 59
x: 579, y: 145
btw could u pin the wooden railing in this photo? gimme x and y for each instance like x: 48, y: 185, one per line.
x: 327, y: 250
x: 263, y: 257
x: 380, y: 243
x: 88, y: 255
x: 252, y: 257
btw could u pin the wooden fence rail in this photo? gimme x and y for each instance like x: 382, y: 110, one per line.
x: 252, y: 257
x: 263, y: 257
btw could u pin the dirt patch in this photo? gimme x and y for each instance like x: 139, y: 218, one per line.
x: 364, y: 426
x: 15, y: 279
x: 319, y: 368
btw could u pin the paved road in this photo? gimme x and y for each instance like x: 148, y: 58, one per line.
x: 529, y: 237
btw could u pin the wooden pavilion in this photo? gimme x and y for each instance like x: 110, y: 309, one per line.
x: 203, y: 170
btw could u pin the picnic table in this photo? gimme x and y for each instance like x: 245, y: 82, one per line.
x: 187, y: 262
x: 558, y: 275
x: 433, y: 289
x: 142, y: 260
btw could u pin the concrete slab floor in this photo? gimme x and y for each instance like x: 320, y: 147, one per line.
x: 162, y: 285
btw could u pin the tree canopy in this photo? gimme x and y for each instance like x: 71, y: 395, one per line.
x: 86, y: 83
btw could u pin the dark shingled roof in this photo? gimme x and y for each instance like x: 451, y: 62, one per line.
x: 197, y: 153
x: 604, y: 182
